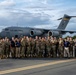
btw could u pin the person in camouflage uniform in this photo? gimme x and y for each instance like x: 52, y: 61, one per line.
x: 23, y: 46
x: 2, y: 45
x: 53, y: 40
x: 36, y: 52
x: 57, y: 46
x: 25, y: 39
x: 1, y: 49
x: 74, y: 51
x: 32, y: 47
x: 48, y: 47
x: 43, y: 44
x: 71, y: 47
x: 29, y: 47
x: 38, y: 46
x: 7, y: 48
x: 61, y: 47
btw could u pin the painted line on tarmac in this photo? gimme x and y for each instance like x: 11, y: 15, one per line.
x: 35, y: 66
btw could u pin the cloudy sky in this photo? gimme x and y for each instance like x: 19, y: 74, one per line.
x: 36, y: 13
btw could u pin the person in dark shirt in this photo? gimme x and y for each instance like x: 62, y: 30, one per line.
x: 17, y: 45
x: 74, y: 47
x: 12, y: 43
x: 66, y: 48
x: 13, y: 47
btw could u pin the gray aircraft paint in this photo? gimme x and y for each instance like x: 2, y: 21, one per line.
x: 32, y: 32
x: 64, y: 22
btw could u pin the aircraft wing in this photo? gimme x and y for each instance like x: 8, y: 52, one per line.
x: 59, y: 30
x: 65, y: 31
x: 49, y: 32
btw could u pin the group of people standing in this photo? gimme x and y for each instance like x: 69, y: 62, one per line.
x: 37, y: 47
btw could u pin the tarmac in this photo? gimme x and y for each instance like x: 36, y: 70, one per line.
x: 38, y: 66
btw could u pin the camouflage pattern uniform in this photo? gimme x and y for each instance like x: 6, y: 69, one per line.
x: 32, y: 47
x: 29, y: 44
x: 48, y: 47
x: 37, y: 49
x: 3, y: 48
x: 61, y: 48
x: 23, y: 47
x: 1, y: 53
x: 53, y: 48
x: 71, y: 48
x: 42, y: 51
x: 7, y: 48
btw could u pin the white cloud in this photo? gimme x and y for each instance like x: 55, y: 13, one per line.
x: 37, y: 13
x: 44, y: 1
x: 7, y: 3
x: 13, y: 17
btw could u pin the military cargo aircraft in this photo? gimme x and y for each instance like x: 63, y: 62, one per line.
x: 32, y: 32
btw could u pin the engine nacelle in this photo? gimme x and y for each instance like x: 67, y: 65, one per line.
x: 35, y: 32
x: 53, y: 33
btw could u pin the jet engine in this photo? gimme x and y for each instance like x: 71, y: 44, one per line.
x: 53, y: 33
x: 35, y: 32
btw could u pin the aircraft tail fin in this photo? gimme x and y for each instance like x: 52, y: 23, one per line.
x: 64, y: 22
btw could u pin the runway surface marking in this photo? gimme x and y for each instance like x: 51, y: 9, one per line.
x: 35, y: 66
